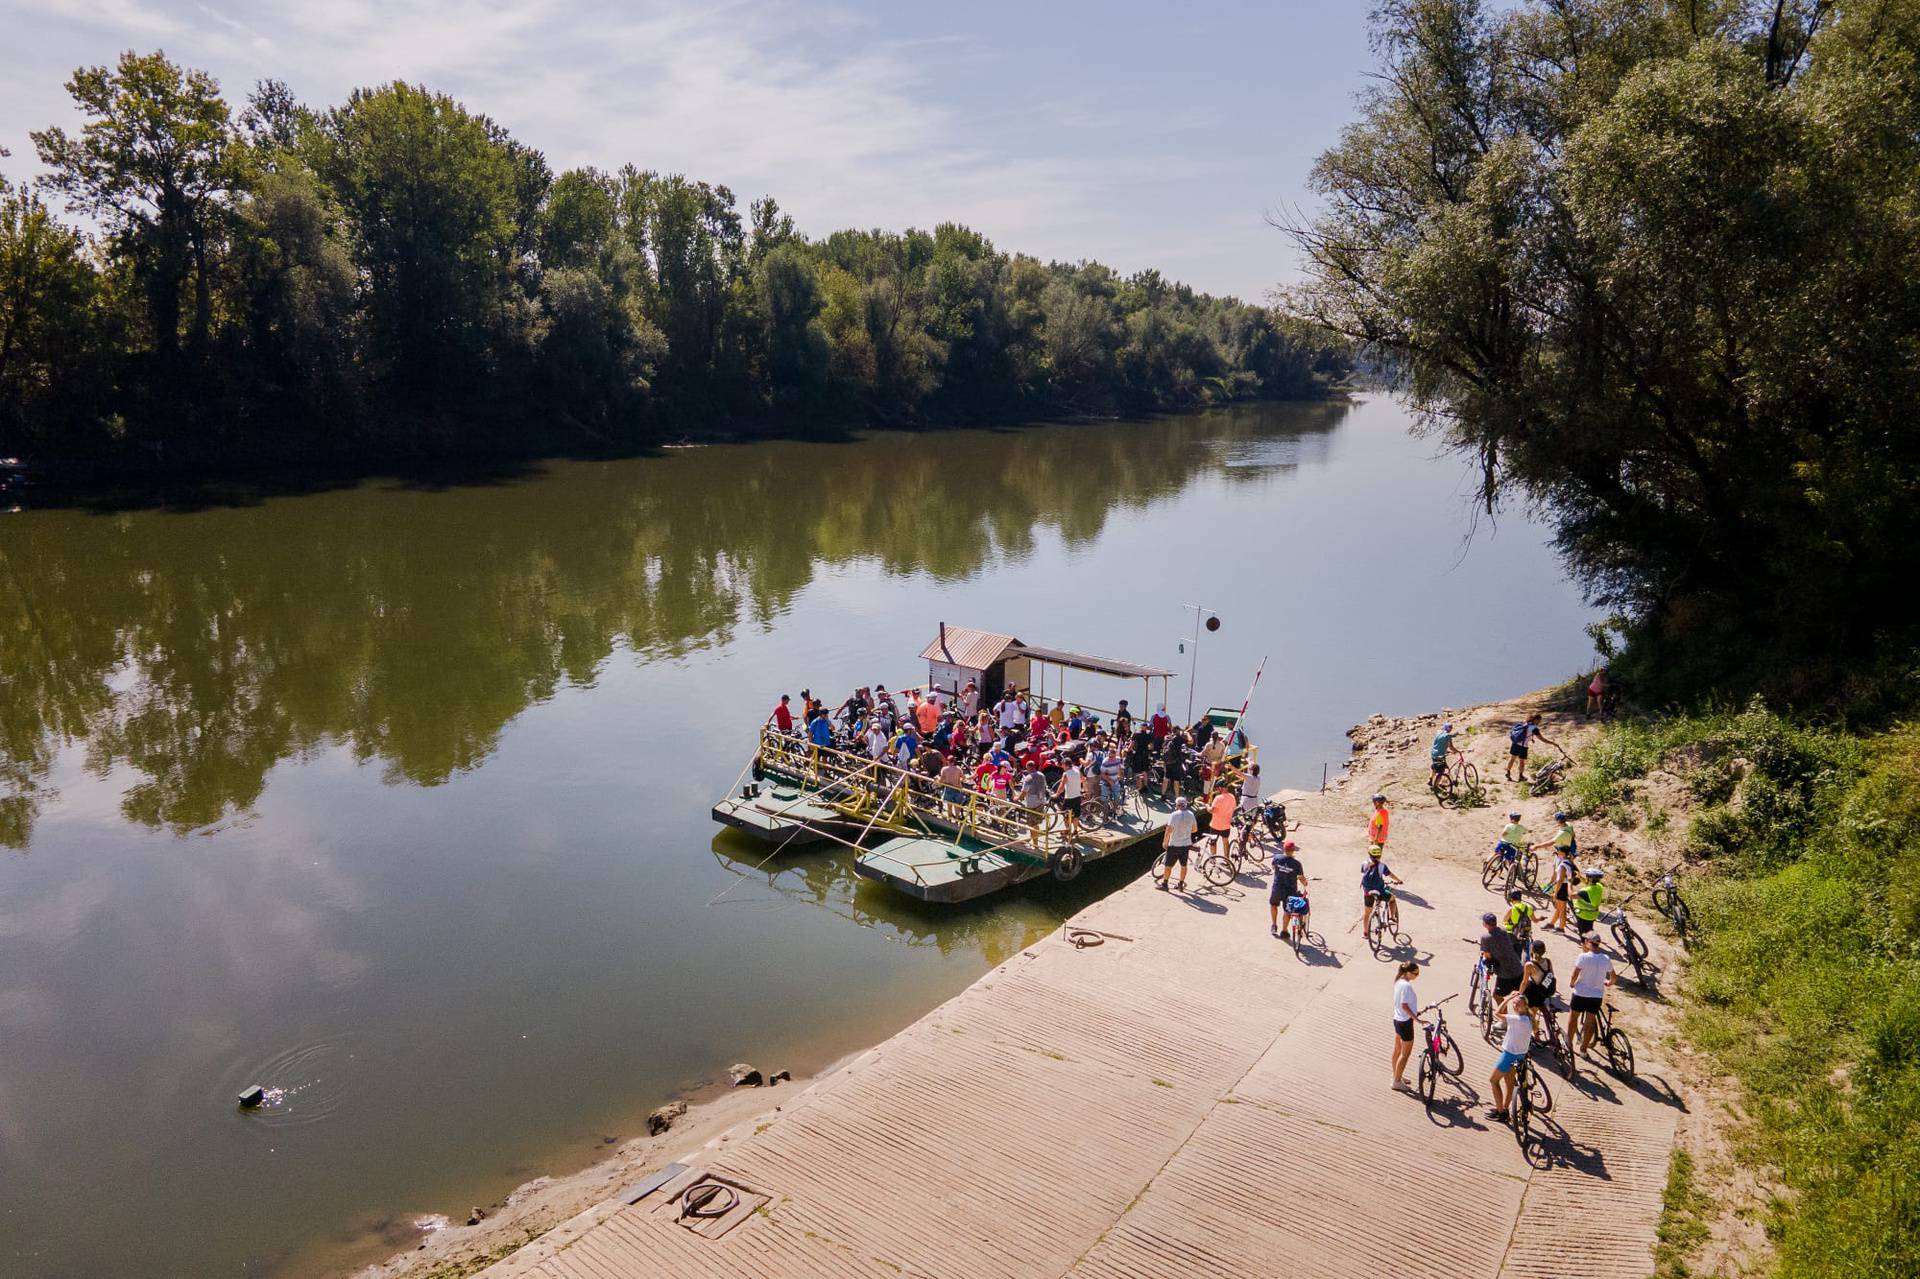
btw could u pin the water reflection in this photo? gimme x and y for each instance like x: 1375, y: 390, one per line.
x: 199, y: 651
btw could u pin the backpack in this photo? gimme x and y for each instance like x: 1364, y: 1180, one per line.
x: 1518, y: 734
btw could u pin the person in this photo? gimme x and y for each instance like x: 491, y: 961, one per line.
x: 1140, y: 757
x: 1070, y: 788
x: 970, y: 700
x: 1442, y: 747
x: 1406, y: 1011
x: 1377, y: 824
x: 906, y: 746
x: 877, y: 738
x: 1512, y: 840
x: 1519, y: 920
x: 1374, y: 877
x: 1515, y: 1044
x: 1033, y: 795
x: 1250, y: 789
x: 1499, y: 959
x: 1177, y: 842
x: 953, y: 786
x: 1539, y: 986
x: 1565, y: 845
x: 1597, y: 693
x: 1013, y: 719
x: 1057, y: 717
x: 820, y: 732
x: 1160, y: 723
x: 1587, y: 902
x: 1289, y: 886
x: 1113, y: 775
x: 1174, y: 756
x: 1122, y: 722
x: 1221, y: 813
x: 1592, y: 977
x: 928, y: 715
x: 1517, y: 742
x: 782, y: 716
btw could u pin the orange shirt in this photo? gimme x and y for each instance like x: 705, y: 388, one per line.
x: 1377, y: 828
x: 929, y: 715
x: 1223, y: 805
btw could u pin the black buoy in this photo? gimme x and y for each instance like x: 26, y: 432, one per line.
x: 251, y: 1096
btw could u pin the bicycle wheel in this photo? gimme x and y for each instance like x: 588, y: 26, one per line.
x: 1520, y: 1113
x: 1564, y: 1054
x: 1373, y: 931
x: 1475, y: 989
x: 1540, y: 1097
x: 1094, y: 812
x: 1160, y: 863
x: 1663, y: 899
x: 1495, y: 867
x: 1469, y: 780
x: 1441, y: 784
x: 1682, y: 918
x: 1529, y: 871
x: 1620, y: 1053
x: 1429, y: 1076
x: 1450, y: 1062
x: 1487, y: 1031
x: 1217, y: 870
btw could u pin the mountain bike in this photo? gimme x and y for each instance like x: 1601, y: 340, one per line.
x: 1461, y: 780
x: 1667, y: 900
x: 1631, y: 943
x: 1530, y: 1096
x: 1439, y: 1055
x: 1614, y: 1041
x: 1480, y: 998
x: 1547, y: 778
x: 1512, y: 867
x: 1381, y: 930
x: 1559, y: 1046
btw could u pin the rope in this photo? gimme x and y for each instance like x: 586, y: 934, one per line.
x: 709, y: 1199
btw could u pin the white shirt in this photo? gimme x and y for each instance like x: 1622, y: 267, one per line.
x: 1519, y: 1034
x: 876, y: 743
x: 1070, y: 784
x: 1250, y: 791
x: 1405, y: 1002
x: 1590, y: 974
x: 970, y: 703
x: 1180, y: 827
x: 1010, y: 716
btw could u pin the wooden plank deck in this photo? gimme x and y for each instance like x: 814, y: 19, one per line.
x: 1197, y: 1101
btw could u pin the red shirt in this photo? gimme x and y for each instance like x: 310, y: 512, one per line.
x: 1161, y: 725
x: 783, y: 718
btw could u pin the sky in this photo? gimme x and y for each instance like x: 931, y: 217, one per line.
x: 1139, y: 134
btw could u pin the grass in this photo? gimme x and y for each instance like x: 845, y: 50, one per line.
x: 1684, y: 1209
x: 1805, y: 981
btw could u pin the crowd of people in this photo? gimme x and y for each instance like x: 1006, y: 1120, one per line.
x: 1019, y: 748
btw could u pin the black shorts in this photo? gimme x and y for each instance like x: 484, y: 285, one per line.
x: 1071, y: 805
x: 1404, y: 1029
x: 1560, y: 893
x: 1177, y: 853
x: 1277, y: 897
x: 1587, y: 1003
x: 1583, y: 926
x: 1504, y: 986
x: 1537, y: 995
x: 1518, y: 752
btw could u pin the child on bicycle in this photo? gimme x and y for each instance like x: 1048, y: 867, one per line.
x: 1512, y: 839
x: 1519, y: 920
x: 1374, y: 876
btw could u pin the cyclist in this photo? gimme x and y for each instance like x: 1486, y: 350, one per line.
x: 1220, y: 811
x: 1406, y: 1011
x: 1377, y: 823
x: 1374, y: 875
x: 1518, y: 739
x: 1563, y: 871
x: 1540, y: 986
x: 1177, y: 840
x: 1442, y: 747
x: 1289, y: 886
x: 1512, y: 839
x: 1519, y: 920
x: 1592, y: 977
x: 1250, y: 789
x: 1498, y: 957
x: 1587, y: 902
x: 1514, y: 1046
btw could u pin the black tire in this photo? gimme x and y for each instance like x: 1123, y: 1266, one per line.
x: 1094, y: 812
x: 1495, y: 867
x: 1520, y: 1115
x: 1630, y: 943
x: 1620, y: 1053
x: 1486, y: 1020
x: 1682, y: 918
x: 1065, y: 864
x: 1469, y: 779
x: 1441, y: 784
x: 1537, y: 1090
x: 1429, y: 1077
x: 1451, y: 1062
x: 1529, y: 871
x: 1663, y: 900
x: 1217, y: 870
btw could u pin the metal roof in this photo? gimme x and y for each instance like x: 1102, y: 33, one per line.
x: 1082, y: 662
x: 975, y: 650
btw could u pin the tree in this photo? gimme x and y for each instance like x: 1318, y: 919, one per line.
x: 47, y: 288
x: 1644, y: 265
x: 154, y: 161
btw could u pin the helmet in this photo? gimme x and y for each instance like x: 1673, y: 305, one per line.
x: 1513, y: 816
x: 1489, y: 918
x: 1447, y: 727
x: 1378, y: 798
x: 1373, y: 850
x: 1514, y: 894
x: 1559, y: 816
x: 1594, y: 872
x: 1289, y: 847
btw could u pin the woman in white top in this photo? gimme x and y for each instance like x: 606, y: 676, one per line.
x: 1513, y: 1049
x: 1406, y: 1011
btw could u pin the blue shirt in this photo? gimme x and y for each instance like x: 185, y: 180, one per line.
x: 1373, y: 877
x: 821, y: 731
x: 1442, y: 743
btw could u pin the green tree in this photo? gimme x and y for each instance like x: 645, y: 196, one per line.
x: 154, y: 161
x: 47, y: 291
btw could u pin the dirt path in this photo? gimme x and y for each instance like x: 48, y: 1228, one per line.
x: 1189, y: 1097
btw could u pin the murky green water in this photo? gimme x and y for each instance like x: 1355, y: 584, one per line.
x: 397, y: 798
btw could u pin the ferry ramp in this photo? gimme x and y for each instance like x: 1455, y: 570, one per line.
x: 1188, y: 1097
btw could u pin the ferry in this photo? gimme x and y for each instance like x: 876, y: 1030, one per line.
x: 908, y: 834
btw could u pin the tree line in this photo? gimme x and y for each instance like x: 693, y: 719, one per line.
x: 191, y: 287
x: 1652, y: 265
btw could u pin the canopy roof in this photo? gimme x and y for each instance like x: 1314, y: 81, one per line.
x: 1098, y: 665
x: 966, y: 647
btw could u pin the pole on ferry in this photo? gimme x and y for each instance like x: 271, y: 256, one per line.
x: 1193, y: 669
x: 1256, y: 684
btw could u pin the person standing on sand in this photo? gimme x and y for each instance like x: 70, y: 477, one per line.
x: 1597, y: 693
x: 1406, y: 1011
x: 1517, y: 742
x: 1377, y: 824
x: 1176, y: 842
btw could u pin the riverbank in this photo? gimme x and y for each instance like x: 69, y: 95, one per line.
x: 1189, y: 1049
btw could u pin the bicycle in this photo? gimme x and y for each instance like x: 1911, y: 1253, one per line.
x: 1559, y: 1047
x: 1634, y: 946
x: 1614, y: 1041
x: 1667, y: 900
x: 1530, y: 1094
x: 1380, y: 926
x: 1515, y: 867
x: 1546, y: 779
x: 1437, y: 1051
x: 1480, y: 998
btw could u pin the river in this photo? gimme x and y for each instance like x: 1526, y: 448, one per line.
x: 395, y: 796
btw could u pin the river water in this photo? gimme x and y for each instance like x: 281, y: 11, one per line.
x: 395, y: 797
